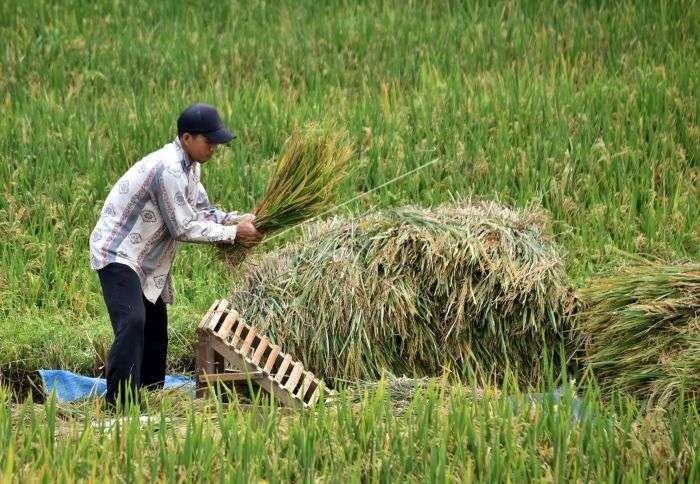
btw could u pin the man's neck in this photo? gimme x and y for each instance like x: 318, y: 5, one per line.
x: 185, y: 156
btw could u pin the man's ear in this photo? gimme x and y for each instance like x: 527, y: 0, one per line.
x: 186, y: 137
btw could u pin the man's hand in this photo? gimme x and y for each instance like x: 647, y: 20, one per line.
x: 246, y: 233
x: 236, y: 219
x: 246, y: 217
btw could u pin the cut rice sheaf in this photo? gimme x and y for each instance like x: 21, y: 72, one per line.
x: 640, y: 329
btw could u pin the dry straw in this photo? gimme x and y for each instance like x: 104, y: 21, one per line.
x: 471, y: 286
x: 641, y: 330
x: 401, y: 391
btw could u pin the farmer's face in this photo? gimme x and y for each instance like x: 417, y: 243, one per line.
x: 198, y: 147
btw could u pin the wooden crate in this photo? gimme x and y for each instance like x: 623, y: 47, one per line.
x: 224, y: 337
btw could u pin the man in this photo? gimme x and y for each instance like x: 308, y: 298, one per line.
x: 158, y: 203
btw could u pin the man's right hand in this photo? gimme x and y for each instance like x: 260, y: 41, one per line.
x: 246, y: 233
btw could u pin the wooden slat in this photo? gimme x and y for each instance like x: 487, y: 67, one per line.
x: 268, y: 385
x: 231, y: 333
x: 271, y: 359
x: 315, y: 396
x: 207, y: 315
x: 205, y: 358
x: 237, y: 333
x: 283, y: 368
x: 228, y: 323
x: 294, y: 376
x: 216, y: 315
x: 306, y: 383
x: 245, y: 348
x: 232, y: 355
x: 261, y: 349
x: 237, y: 376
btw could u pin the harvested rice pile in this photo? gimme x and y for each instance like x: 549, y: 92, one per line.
x: 412, y: 290
x: 641, y: 330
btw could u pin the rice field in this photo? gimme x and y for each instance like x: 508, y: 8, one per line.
x: 587, y: 109
x: 443, y: 434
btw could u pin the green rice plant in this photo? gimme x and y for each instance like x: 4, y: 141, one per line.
x: 442, y: 434
x: 478, y: 287
x: 589, y: 108
x: 641, y: 330
x: 402, y: 390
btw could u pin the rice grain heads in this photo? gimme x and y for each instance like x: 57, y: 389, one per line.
x: 305, y: 178
x: 641, y: 330
x: 302, y: 185
x: 413, y: 290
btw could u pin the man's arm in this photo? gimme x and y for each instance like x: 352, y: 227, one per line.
x: 183, y: 221
x: 208, y: 212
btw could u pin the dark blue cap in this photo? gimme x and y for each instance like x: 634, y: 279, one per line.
x: 204, y: 119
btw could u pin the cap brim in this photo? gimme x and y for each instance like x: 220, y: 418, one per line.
x: 221, y: 136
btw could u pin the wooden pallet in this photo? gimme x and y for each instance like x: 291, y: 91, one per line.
x: 224, y: 337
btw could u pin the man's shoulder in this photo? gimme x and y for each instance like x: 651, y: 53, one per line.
x: 164, y: 155
x: 163, y: 160
x: 167, y: 165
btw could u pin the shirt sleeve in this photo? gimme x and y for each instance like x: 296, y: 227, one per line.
x: 185, y: 222
x: 208, y: 212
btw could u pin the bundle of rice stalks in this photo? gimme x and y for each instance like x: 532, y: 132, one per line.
x: 303, y: 184
x: 474, y: 287
x: 305, y: 179
x: 641, y: 330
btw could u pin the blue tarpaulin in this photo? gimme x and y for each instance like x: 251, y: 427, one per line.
x: 70, y: 386
x: 555, y: 397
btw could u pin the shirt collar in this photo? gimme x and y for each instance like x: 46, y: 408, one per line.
x: 186, y: 161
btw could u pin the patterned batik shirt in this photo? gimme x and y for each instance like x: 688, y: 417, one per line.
x: 158, y: 203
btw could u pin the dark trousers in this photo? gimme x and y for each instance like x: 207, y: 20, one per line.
x: 137, y: 357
